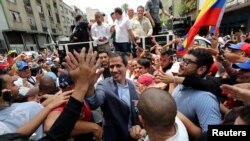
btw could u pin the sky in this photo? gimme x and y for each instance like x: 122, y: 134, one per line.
x: 106, y: 6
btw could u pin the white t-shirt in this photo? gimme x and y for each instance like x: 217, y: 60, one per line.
x: 23, y: 90
x: 17, y: 114
x: 181, y: 132
x: 121, y: 30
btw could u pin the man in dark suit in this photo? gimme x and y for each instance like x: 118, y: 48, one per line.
x: 115, y: 96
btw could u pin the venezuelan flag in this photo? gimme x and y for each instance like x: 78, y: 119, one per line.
x: 210, y: 15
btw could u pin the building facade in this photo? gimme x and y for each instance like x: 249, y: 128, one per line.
x: 236, y: 17
x: 33, y: 24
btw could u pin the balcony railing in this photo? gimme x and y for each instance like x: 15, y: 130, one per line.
x: 232, y: 3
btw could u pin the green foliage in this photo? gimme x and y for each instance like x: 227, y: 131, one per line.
x: 125, y: 7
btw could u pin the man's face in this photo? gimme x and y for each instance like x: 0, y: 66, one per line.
x: 24, y: 73
x: 117, y: 69
x: 164, y: 61
x: 104, y: 58
x: 113, y: 17
x: 130, y: 12
x: 142, y: 69
x: 10, y: 85
x: 140, y: 13
x: 98, y: 18
x: 117, y: 15
x: 188, y: 66
x: 233, y: 55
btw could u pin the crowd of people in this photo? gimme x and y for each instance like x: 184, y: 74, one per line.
x: 120, y: 91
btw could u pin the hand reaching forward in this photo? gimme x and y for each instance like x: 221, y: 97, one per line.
x: 164, y: 77
x: 236, y: 93
x: 82, y: 67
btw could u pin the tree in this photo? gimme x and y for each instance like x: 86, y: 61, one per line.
x: 125, y: 8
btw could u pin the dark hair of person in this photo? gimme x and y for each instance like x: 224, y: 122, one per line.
x: 140, y: 7
x: 203, y: 58
x: 118, y: 10
x: 169, y: 52
x: 244, y: 114
x: 112, y: 14
x: 230, y: 117
x: 103, y: 51
x: 120, y: 54
x: 3, y: 71
x: 54, y: 69
x: 146, y: 63
x: 78, y: 17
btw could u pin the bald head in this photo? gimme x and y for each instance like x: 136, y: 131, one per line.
x: 46, y: 84
x: 157, y: 108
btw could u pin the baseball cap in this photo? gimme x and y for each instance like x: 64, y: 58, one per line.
x: 65, y: 81
x: 11, y: 51
x: 244, y: 66
x: 241, y: 46
x: 21, y: 65
x: 235, y: 46
x: 146, y: 79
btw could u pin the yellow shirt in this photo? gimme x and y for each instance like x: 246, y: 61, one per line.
x: 141, y: 27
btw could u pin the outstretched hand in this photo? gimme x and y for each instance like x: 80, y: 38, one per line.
x: 164, y: 77
x: 82, y: 67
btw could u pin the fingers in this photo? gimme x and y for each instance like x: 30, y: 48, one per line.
x: 97, y: 64
x: 93, y: 59
x: 71, y: 66
x: 89, y: 55
x: 77, y: 55
x: 81, y: 58
x: 73, y: 59
x: 68, y: 92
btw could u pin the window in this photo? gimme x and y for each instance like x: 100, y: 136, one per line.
x: 49, y: 11
x: 15, y: 16
x: 13, y: 1
x: 61, y: 8
x: 40, y: 9
x: 32, y: 21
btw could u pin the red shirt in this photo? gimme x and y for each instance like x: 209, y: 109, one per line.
x: 86, y: 112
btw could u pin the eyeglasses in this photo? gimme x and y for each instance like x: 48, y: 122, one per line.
x: 187, y: 61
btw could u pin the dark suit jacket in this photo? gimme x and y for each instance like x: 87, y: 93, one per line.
x: 115, y: 112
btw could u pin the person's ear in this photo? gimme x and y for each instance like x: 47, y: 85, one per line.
x: 201, y: 70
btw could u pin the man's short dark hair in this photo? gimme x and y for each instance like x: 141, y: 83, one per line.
x: 103, y: 51
x: 118, y: 10
x: 120, y: 54
x: 140, y: 7
x: 78, y: 17
x: 146, y: 63
x: 203, y: 58
x: 112, y: 14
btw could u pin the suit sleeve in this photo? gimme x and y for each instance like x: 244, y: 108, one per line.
x: 97, y: 99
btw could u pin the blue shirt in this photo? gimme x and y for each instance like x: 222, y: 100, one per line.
x: 201, y: 107
x: 124, y: 95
